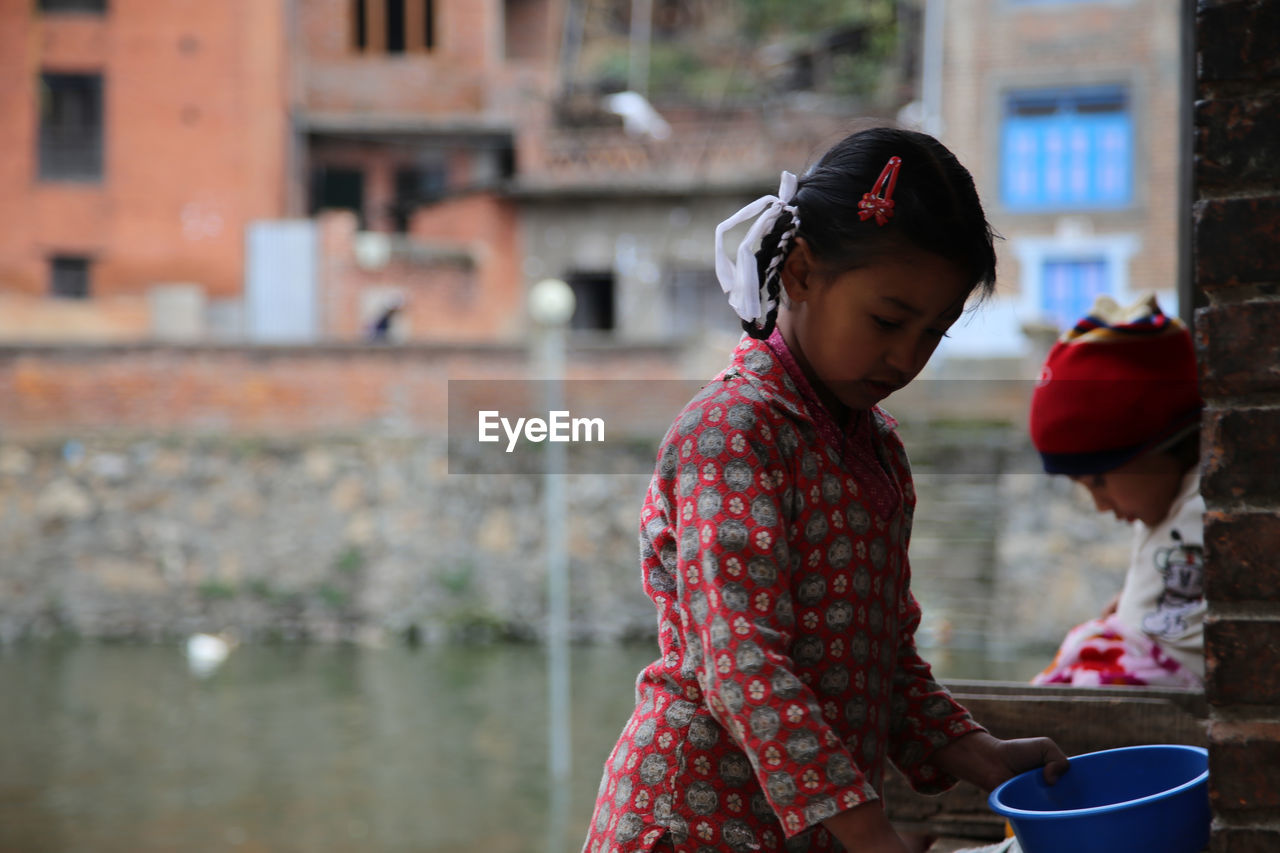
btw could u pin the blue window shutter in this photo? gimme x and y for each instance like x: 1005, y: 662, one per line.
x: 1069, y: 286
x: 1023, y: 164
x: 1056, y: 156
x: 1113, y: 147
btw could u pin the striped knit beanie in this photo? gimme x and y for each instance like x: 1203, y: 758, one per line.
x: 1121, y: 383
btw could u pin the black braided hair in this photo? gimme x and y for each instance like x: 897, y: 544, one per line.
x: 936, y: 209
x: 774, y: 248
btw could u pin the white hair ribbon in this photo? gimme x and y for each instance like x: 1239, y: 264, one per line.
x: 741, y: 280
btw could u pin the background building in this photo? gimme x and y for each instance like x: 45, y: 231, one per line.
x: 169, y: 165
x: 295, y: 171
x: 139, y: 140
x: 1068, y: 114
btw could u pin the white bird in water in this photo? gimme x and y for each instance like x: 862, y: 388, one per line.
x: 206, y: 652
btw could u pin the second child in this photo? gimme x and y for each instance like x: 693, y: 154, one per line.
x: 1117, y: 410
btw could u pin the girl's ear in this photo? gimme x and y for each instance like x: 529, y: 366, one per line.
x: 799, y: 272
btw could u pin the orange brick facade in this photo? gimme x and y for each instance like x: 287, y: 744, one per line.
x: 217, y: 115
x: 195, y: 144
x: 457, y: 274
x: 292, y: 393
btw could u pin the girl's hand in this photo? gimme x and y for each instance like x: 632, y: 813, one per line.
x: 1028, y: 753
x: 987, y: 761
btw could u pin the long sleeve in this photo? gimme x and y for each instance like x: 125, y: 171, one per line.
x: 732, y: 504
x: 924, y: 716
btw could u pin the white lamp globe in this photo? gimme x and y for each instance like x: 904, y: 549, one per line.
x: 551, y: 302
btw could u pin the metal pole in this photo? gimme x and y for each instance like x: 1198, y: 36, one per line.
x: 551, y: 303
x: 570, y: 45
x: 931, y: 66
x: 557, y: 563
x: 641, y: 36
x: 1190, y: 297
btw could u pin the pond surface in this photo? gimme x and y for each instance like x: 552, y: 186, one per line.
x: 107, y: 748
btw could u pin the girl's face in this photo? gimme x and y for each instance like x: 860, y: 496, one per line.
x: 1142, y: 489
x: 866, y: 332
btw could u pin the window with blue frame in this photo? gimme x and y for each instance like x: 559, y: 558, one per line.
x: 1067, y: 149
x: 1068, y: 287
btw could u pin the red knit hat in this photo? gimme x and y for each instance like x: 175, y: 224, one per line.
x: 1121, y: 383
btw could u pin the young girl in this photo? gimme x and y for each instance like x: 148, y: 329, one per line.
x: 774, y: 532
x: 1117, y: 409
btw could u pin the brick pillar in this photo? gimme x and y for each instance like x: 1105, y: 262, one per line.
x: 1236, y: 245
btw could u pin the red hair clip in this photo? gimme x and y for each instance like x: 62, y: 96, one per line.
x: 879, y: 202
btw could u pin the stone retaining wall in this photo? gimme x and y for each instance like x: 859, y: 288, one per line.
x: 369, y: 538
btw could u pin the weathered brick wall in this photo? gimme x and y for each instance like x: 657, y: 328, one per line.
x: 194, y: 146
x: 455, y: 78
x: 457, y: 272
x: 272, y: 391
x: 1237, y: 266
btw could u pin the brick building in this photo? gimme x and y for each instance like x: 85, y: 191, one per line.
x: 291, y: 170
x: 164, y: 157
x: 139, y: 138
x: 1068, y: 114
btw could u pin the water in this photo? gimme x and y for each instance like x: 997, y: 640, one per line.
x: 108, y: 748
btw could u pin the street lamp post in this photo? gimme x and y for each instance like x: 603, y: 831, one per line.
x: 551, y: 304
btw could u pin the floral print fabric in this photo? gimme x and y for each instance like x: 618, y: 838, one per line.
x: 788, y: 671
x: 1107, y: 651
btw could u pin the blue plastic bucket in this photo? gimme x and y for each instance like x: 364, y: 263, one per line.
x: 1125, y: 800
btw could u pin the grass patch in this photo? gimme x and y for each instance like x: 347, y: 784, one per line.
x: 216, y: 590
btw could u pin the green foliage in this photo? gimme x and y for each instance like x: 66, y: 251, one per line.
x: 762, y: 18
x: 331, y: 596
x: 260, y: 588
x: 854, y: 74
x: 351, y: 561
x: 474, y: 624
x: 710, y: 51
x: 217, y: 590
x: 457, y: 580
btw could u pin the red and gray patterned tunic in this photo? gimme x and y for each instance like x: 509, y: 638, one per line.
x: 774, y: 546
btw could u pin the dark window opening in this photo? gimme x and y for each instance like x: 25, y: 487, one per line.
x: 92, y: 6
x: 507, y: 161
x: 333, y: 187
x: 395, y: 26
x: 696, y: 305
x: 593, y: 292
x: 69, y: 277
x: 361, y: 21
x: 417, y: 186
x: 71, y: 127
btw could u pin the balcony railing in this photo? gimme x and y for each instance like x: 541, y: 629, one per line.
x: 704, y: 154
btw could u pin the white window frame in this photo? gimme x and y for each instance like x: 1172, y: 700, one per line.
x: 1071, y: 241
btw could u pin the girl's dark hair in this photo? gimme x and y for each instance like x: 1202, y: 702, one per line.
x: 936, y: 209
